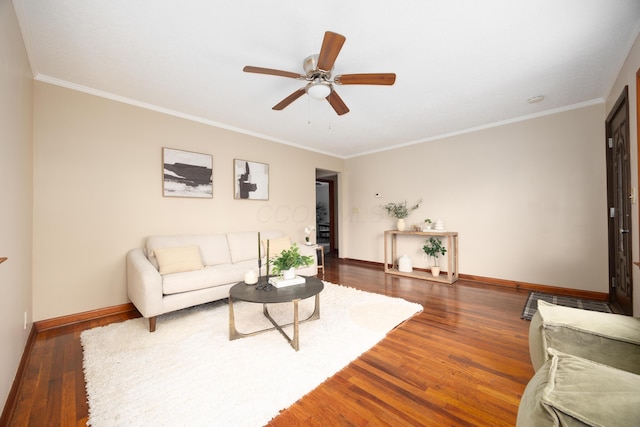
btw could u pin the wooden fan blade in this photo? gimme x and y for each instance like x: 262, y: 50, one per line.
x: 330, y: 49
x: 289, y: 99
x: 337, y: 103
x: 272, y: 72
x: 366, y: 79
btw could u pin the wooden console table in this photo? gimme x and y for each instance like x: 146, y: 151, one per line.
x: 320, y: 255
x: 390, y: 267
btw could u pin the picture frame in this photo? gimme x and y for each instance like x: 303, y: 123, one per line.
x: 186, y: 174
x: 251, y: 180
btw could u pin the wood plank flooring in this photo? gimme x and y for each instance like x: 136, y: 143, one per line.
x: 463, y: 361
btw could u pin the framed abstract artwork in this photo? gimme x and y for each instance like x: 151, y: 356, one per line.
x: 251, y: 180
x: 187, y: 174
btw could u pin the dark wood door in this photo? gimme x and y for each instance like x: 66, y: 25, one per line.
x: 619, y: 194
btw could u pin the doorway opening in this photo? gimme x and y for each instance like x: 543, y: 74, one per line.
x: 327, y: 212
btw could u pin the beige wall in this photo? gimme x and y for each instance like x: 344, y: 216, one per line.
x: 97, y: 192
x: 528, y: 199
x: 627, y: 77
x: 16, y: 195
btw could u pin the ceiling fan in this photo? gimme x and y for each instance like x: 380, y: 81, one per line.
x: 318, y: 69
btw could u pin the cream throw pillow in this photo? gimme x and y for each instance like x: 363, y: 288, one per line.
x: 177, y: 260
x: 276, y: 246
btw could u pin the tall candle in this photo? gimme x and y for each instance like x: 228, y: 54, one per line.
x: 267, y: 260
x: 259, y: 257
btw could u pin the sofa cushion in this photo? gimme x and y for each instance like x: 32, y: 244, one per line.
x: 178, y: 259
x: 208, y: 277
x: 611, y: 339
x: 243, y: 246
x: 569, y: 390
x: 276, y: 245
x: 531, y: 411
x: 213, y: 247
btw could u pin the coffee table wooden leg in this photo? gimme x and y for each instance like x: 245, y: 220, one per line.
x: 295, y: 341
x: 233, y: 332
x: 296, y: 329
x: 316, y: 311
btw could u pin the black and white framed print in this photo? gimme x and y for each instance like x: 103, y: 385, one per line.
x: 186, y: 174
x: 251, y: 180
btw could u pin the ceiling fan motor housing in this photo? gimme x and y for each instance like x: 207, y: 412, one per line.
x: 310, y: 66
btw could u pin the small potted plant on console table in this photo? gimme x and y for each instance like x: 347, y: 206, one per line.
x: 400, y: 211
x: 433, y: 248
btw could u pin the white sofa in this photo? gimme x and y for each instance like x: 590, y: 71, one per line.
x: 175, y: 272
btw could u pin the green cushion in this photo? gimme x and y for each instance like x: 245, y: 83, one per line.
x: 610, y: 339
x: 572, y: 391
x: 607, y: 325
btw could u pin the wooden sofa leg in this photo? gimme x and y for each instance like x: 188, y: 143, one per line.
x: 152, y: 324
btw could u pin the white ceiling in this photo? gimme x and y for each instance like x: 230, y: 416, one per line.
x: 460, y: 64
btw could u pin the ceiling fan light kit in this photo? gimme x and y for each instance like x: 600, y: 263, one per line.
x: 318, y: 69
x: 318, y: 89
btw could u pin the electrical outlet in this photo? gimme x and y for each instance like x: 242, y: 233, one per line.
x: 25, y: 320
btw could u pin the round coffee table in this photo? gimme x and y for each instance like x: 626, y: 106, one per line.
x: 256, y: 294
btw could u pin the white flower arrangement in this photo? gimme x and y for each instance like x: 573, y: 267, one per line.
x: 307, y: 231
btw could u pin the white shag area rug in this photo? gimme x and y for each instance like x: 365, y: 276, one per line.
x: 187, y: 372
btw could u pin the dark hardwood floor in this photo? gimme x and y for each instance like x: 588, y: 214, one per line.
x: 463, y: 361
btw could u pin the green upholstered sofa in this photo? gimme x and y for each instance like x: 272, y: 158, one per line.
x: 587, y: 369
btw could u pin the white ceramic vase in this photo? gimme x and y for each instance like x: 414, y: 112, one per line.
x: 404, y: 264
x: 400, y: 224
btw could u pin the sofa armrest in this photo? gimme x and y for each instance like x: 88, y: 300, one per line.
x: 537, y: 348
x: 144, y: 284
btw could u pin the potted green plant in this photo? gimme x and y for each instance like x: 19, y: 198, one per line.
x: 288, y: 260
x: 427, y: 224
x: 400, y: 211
x: 434, y: 248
